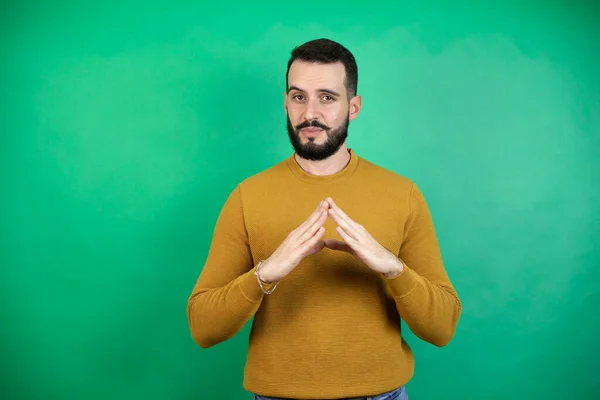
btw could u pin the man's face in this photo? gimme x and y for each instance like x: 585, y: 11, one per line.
x: 318, y: 109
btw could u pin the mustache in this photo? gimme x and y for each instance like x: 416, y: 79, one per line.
x: 314, y: 124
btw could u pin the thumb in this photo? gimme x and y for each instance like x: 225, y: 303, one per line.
x: 337, y: 245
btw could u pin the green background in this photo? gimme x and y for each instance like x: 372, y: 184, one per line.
x: 125, y: 126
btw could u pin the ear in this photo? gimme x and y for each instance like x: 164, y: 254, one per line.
x: 355, y: 106
x: 285, y: 100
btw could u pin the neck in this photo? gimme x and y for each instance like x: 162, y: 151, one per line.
x: 334, y: 164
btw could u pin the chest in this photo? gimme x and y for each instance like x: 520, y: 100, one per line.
x: 272, y: 219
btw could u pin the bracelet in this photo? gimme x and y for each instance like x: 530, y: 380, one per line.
x: 260, y: 282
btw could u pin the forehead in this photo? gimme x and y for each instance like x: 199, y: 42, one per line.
x: 313, y: 76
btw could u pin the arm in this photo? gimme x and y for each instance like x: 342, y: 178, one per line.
x: 424, y: 295
x: 226, y: 294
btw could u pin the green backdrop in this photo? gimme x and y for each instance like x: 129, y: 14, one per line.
x: 125, y: 125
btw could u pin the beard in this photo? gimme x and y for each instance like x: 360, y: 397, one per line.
x: 317, y: 152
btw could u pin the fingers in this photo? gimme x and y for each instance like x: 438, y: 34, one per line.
x: 314, y: 244
x: 312, y: 229
x: 316, y: 216
x: 350, y: 241
x: 337, y: 245
x: 339, y: 217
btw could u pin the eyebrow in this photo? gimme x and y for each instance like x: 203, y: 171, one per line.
x: 328, y: 91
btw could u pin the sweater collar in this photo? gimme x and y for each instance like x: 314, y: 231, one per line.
x: 304, y: 176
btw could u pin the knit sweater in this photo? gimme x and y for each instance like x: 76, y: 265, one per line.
x: 331, y: 329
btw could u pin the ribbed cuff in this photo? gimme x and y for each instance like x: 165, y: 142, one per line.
x: 404, y: 283
x: 250, y: 288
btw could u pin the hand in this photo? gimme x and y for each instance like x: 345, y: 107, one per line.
x: 359, y: 243
x: 302, y: 242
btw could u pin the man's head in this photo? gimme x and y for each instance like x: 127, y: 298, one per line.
x: 320, y: 99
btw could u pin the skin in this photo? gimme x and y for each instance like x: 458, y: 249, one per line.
x: 317, y: 92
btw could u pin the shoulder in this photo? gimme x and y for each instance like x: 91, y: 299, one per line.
x: 268, y: 178
x: 392, y: 184
x: 388, y: 177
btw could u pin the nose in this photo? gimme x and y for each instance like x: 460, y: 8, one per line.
x: 312, y: 110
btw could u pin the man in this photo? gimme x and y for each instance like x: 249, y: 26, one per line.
x: 328, y: 252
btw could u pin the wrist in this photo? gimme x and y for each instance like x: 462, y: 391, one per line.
x: 270, y: 288
x: 263, y: 273
x: 395, y: 270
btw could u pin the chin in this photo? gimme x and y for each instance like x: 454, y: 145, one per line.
x: 321, y: 137
x: 315, y: 140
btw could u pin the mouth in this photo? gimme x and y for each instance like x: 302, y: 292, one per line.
x: 311, y: 132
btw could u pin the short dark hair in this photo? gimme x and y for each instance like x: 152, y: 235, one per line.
x: 325, y: 51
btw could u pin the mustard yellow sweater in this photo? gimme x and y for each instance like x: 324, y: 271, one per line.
x: 331, y: 329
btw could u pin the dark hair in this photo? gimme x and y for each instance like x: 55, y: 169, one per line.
x: 325, y: 51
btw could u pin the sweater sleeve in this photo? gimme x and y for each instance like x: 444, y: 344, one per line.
x: 425, y: 298
x: 226, y: 294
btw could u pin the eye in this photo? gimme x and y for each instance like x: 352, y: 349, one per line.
x: 298, y: 97
x: 328, y: 98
